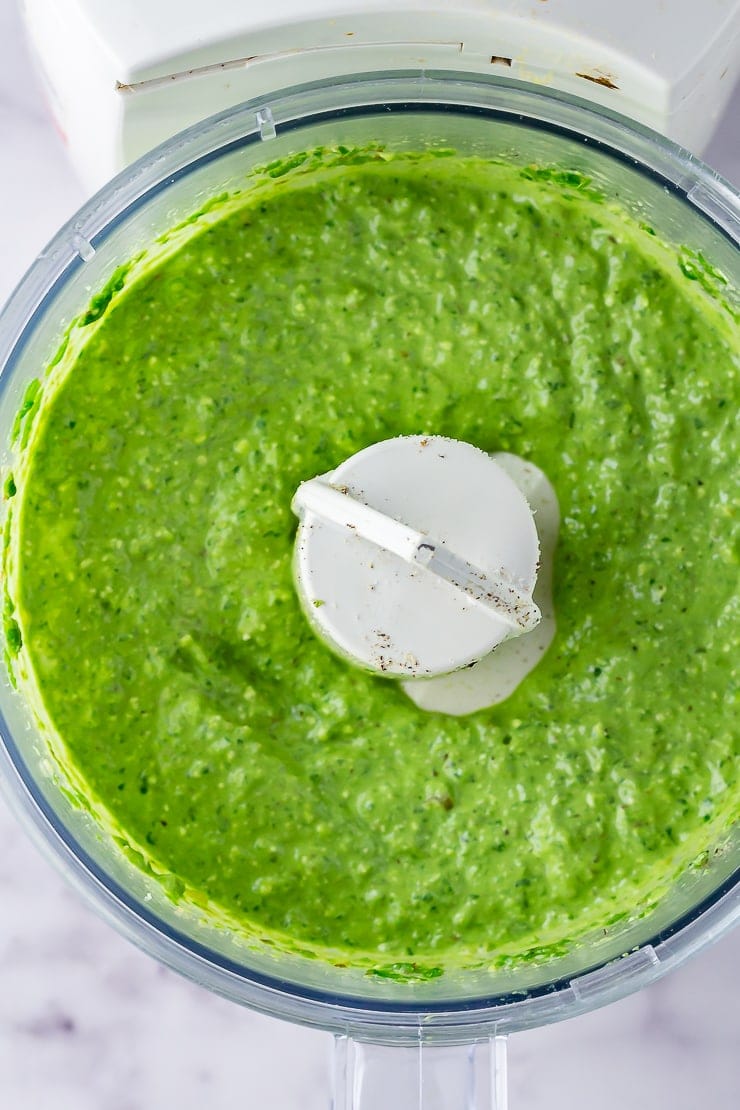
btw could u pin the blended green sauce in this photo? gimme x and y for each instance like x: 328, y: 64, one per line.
x: 301, y: 799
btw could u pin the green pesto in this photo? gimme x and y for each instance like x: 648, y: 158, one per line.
x: 153, y: 535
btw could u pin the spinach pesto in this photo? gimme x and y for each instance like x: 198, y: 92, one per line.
x: 357, y: 297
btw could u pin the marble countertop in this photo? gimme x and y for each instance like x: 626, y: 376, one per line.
x: 89, y: 1023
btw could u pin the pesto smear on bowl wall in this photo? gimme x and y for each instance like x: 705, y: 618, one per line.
x: 152, y: 609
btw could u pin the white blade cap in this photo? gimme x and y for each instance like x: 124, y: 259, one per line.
x: 417, y: 556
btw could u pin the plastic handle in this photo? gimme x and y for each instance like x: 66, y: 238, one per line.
x: 369, y: 1076
x: 498, y: 592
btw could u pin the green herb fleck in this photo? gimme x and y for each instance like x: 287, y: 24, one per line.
x: 101, y: 300
x: 406, y: 973
x: 13, y: 637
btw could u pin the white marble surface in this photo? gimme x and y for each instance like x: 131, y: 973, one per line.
x: 89, y: 1023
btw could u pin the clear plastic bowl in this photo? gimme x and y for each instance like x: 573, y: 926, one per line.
x: 686, y: 203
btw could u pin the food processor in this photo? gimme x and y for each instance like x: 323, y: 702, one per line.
x: 438, y: 1042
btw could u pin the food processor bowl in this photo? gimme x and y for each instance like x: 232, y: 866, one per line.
x: 659, y: 183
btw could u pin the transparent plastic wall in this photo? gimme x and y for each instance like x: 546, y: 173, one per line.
x: 687, y: 205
